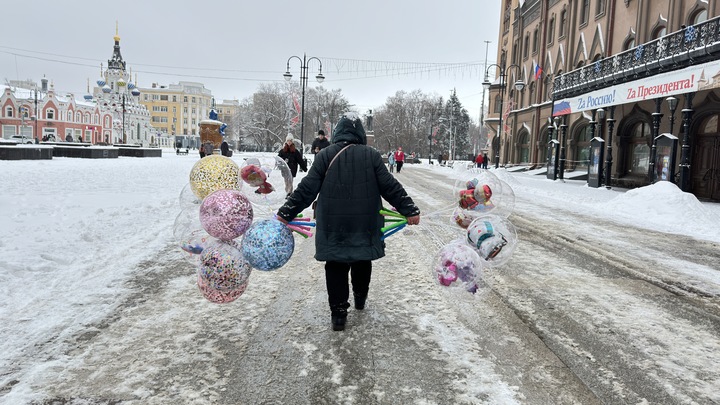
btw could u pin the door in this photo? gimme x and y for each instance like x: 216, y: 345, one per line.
x: 706, y: 170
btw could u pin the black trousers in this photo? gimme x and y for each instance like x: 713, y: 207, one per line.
x: 336, y: 280
x: 399, y: 165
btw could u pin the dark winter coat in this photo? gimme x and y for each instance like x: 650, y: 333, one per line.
x: 319, y: 144
x: 225, y: 149
x: 349, y: 197
x: 293, y: 158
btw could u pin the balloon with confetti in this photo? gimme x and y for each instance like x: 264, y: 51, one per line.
x: 223, y: 267
x: 457, y: 266
x: 268, y: 181
x: 493, y: 237
x: 226, y: 214
x: 268, y: 245
x: 188, y: 198
x: 212, y: 173
x: 219, y: 296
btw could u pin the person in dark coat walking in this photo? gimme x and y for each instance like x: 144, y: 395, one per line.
x: 349, y: 180
x: 202, y: 151
x: 225, y: 149
x: 292, y: 156
x: 485, y: 160
x: 320, y: 142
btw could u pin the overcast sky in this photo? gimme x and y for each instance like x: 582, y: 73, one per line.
x: 233, y: 46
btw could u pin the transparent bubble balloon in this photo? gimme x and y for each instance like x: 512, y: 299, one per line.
x: 267, y: 182
x: 226, y: 214
x: 189, y: 234
x: 268, y: 245
x: 480, y: 192
x: 212, y: 173
x: 458, y: 266
x: 223, y: 267
x: 217, y: 296
x: 493, y: 237
x: 188, y: 198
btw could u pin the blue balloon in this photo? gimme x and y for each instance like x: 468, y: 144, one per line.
x: 267, y: 245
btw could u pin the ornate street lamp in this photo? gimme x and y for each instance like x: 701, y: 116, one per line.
x: 303, y: 83
x: 519, y: 85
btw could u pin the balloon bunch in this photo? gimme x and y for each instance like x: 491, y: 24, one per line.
x: 215, y: 214
x: 483, y: 204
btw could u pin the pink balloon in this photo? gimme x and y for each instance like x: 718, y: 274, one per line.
x: 226, y: 214
x: 218, y: 296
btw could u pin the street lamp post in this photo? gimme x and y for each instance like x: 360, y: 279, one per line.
x: 608, y: 158
x: 303, y: 83
x: 550, y: 129
x: 656, y: 117
x: 672, y: 103
x: 122, y: 103
x: 519, y: 85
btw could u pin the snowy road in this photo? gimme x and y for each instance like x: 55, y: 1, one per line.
x: 587, y: 311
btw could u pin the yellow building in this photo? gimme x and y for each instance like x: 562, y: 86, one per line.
x: 176, y: 110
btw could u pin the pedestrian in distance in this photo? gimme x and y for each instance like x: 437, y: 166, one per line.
x: 485, y: 160
x: 479, y: 160
x: 202, y: 151
x: 399, y: 158
x: 292, y: 156
x: 225, y: 149
x: 320, y: 142
x: 349, y: 180
x: 391, y: 162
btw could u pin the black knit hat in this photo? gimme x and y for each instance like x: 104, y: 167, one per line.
x: 321, y: 132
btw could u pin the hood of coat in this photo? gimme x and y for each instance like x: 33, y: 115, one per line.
x: 349, y: 130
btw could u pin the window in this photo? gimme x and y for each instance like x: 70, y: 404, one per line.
x: 526, y: 47
x: 193, y: 110
x: 639, y: 149
x: 699, y: 17
x: 600, y: 7
x: 8, y: 112
x: 551, y: 31
x: 584, y: 12
x: 88, y: 135
x: 107, y: 122
x: 710, y: 126
x: 524, y: 148
x: 145, y: 97
x: 155, y: 97
x: 536, y: 40
x: 97, y: 119
x: 78, y: 117
x: 174, y: 99
x: 184, y: 99
x: 659, y: 32
x: 163, y: 97
x: 563, y: 23
x: 498, y: 105
x: 582, y: 151
x: 185, y: 110
x: 9, y: 131
x: 629, y: 44
x: 87, y: 118
x: 49, y: 114
x: 193, y: 100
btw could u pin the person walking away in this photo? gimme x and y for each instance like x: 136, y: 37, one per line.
x: 320, y: 142
x: 292, y: 156
x: 479, y: 160
x: 485, y: 160
x: 225, y: 149
x: 349, y: 180
x: 399, y: 158
x: 391, y: 162
x: 202, y: 151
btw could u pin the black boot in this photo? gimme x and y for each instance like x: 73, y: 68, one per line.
x: 360, y: 302
x: 339, y: 316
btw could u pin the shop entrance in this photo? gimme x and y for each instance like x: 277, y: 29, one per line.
x: 706, y: 171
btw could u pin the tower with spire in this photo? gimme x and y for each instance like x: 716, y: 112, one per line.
x: 115, y: 90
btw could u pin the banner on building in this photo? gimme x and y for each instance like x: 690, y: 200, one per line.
x: 691, y: 79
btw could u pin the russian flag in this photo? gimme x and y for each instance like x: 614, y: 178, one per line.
x: 538, y: 71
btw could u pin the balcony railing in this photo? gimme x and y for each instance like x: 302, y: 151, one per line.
x: 690, y: 46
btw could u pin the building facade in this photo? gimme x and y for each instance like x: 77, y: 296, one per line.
x: 176, y: 110
x: 624, y: 72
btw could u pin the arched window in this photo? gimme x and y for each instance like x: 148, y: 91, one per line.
x: 600, y: 7
x: 639, y: 150
x: 107, y: 122
x: 699, y: 17
x: 498, y: 105
x: 659, y: 32
x: 9, y: 111
x: 710, y: 125
x: 531, y: 91
x: 87, y: 118
x: 536, y: 40
x: 526, y: 47
x: 629, y: 43
x: 584, y: 11
x: 97, y: 119
x: 78, y: 117
x: 551, y: 30
x: 563, y: 23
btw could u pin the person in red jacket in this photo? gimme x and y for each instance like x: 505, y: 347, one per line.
x: 399, y: 158
x: 479, y: 160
